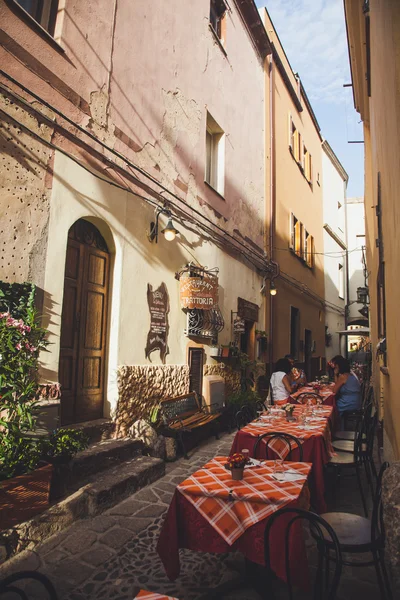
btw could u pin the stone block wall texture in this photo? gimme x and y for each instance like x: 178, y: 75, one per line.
x: 232, y: 377
x: 140, y: 388
x: 25, y: 181
x: 391, y: 506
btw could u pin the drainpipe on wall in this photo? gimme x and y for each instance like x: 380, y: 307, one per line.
x: 271, y: 202
x: 347, y: 305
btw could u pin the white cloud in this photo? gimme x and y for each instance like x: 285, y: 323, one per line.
x: 313, y: 35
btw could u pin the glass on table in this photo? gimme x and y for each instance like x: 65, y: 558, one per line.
x: 279, y: 466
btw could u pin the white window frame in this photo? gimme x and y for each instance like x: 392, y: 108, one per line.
x: 214, y: 173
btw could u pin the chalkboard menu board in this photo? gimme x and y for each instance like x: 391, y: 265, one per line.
x: 157, y: 338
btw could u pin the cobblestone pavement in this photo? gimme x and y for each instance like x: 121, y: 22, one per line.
x: 112, y: 555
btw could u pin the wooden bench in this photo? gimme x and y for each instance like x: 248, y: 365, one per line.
x: 184, y: 414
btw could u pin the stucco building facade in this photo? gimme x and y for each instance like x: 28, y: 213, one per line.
x: 99, y: 141
x: 335, y: 181
x: 296, y: 314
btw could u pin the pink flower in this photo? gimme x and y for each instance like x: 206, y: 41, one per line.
x: 18, y: 346
x: 4, y: 315
x: 27, y: 346
x: 32, y: 348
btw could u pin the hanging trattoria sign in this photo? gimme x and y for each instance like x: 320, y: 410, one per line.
x: 199, y: 292
x: 239, y: 325
x: 157, y: 338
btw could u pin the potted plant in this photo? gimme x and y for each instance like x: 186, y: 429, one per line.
x: 260, y: 334
x: 236, y: 464
x: 61, y: 445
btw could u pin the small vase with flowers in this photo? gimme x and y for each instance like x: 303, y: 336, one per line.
x: 236, y: 464
x: 288, y: 408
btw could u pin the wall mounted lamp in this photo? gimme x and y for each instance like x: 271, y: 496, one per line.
x: 169, y: 231
x: 272, y: 288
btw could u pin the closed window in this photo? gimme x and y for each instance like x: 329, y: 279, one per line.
x: 215, y: 155
x: 296, y: 231
x: 341, y: 280
x: 295, y: 144
x: 43, y: 11
x: 307, y: 165
x: 308, y: 253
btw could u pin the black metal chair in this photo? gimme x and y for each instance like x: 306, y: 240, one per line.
x: 324, y: 586
x: 290, y: 440
x: 368, y: 431
x: 352, y: 417
x: 358, y: 535
x: 356, y: 415
x: 241, y: 419
x: 350, y: 460
x: 8, y: 585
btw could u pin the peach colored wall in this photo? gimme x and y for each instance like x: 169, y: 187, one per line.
x: 381, y: 115
x: 294, y: 194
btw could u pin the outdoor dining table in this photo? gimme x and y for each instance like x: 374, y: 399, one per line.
x: 325, y: 391
x: 145, y: 595
x: 210, y: 512
x: 316, y: 443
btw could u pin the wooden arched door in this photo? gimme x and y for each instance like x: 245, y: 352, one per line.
x: 84, y: 325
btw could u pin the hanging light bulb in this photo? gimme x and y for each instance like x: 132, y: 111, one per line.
x: 272, y: 289
x: 170, y: 232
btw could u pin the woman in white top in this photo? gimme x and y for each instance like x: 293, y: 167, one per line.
x: 280, y: 382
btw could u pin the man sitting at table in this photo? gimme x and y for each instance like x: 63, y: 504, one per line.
x: 280, y: 382
x: 297, y: 376
x: 347, y: 387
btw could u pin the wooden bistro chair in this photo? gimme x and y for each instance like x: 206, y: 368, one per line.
x: 287, y: 438
x: 358, y: 535
x: 324, y: 586
x: 9, y: 586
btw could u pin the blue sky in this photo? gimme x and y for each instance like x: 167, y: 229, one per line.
x: 313, y: 33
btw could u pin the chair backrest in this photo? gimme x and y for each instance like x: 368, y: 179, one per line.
x: 241, y: 419
x: 271, y: 395
x: 9, y: 588
x: 377, y: 525
x: 291, y: 442
x: 313, y: 397
x: 181, y: 406
x: 324, y: 586
x: 249, y: 411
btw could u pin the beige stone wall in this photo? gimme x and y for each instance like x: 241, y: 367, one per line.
x: 140, y: 388
x: 24, y: 205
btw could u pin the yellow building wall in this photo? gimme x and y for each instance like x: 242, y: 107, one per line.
x: 293, y: 194
x: 382, y: 155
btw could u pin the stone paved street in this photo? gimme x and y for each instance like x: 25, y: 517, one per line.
x: 112, y: 555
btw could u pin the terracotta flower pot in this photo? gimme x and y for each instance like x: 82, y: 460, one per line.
x: 24, y: 496
x: 237, y: 474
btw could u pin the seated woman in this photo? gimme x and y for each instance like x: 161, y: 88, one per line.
x: 297, y: 376
x: 347, y: 387
x: 280, y: 382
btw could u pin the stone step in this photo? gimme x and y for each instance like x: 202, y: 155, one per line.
x: 97, y: 430
x: 102, y: 491
x: 98, y: 457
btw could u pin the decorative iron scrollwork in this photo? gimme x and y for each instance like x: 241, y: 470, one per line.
x: 204, y: 323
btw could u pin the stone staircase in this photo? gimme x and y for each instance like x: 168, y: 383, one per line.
x: 95, y: 480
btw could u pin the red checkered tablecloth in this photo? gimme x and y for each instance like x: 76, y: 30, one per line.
x: 145, y: 595
x: 231, y: 506
x: 319, y: 424
x: 325, y: 392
